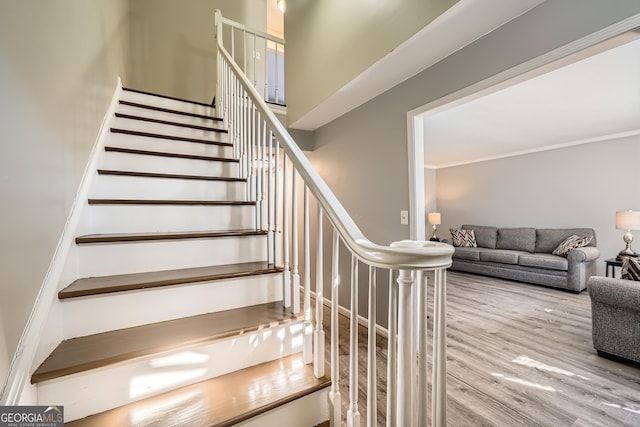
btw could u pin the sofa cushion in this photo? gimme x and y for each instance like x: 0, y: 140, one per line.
x: 501, y: 256
x: 469, y: 254
x: 570, y: 243
x: 486, y: 237
x: 630, y: 269
x: 517, y: 239
x: 547, y: 239
x: 552, y: 262
x: 463, y: 238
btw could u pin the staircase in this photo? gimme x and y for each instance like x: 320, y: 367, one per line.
x: 175, y: 315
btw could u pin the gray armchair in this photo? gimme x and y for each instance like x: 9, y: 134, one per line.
x: 615, y: 313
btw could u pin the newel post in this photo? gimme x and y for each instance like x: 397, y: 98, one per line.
x: 405, y: 365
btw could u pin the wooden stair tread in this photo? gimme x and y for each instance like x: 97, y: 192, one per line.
x: 153, y: 279
x: 168, y: 175
x: 168, y: 154
x: 168, y: 202
x: 169, y: 110
x: 128, y: 89
x: 166, y: 122
x: 173, y: 235
x: 99, y: 350
x: 171, y: 137
x: 222, y: 401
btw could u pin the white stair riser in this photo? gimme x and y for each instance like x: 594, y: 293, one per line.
x: 172, y: 104
x: 127, y: 187
x: 164, y: 129
x: 144, y: 163
x: 149, y: 218
x: 168, y: 145
x: 166, y: 303
x: 171, y: 117
x: 135, y: 257
x: 309, y: 410
x: 120, y: 384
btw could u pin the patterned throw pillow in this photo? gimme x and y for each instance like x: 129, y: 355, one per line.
x: 570, y: 243
x: 630, y: 269
x: 463, y: 238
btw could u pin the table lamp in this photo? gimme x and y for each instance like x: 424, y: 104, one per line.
x: 627, y: 220
x: 434, y: 219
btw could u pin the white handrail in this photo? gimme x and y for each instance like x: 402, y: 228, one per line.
x: 422, y: 255
x: 275, y: 149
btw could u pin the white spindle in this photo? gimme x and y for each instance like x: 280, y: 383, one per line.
x: 266, y: 70
x: 318, y: 336
x: 270, y: 200
x: 334, y: 394
x: 286, y: 273
x: 404, y: 407
x: 392, y: 351
x: 372, y: 392
x: 353, y: 414
x: 263, y: 171
x: 308, y: 327
x: 277, y: 236
x: 421, y: 348
x: 439, y: 381
x: 254, y: 54
x: 295, y: 273
x: 244, y: 52
x: 275, y: 91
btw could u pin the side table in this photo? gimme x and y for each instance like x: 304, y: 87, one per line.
x: 612, y: 263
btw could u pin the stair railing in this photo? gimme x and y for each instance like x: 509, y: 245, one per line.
x: 279, y: 174
x: 260, y: 56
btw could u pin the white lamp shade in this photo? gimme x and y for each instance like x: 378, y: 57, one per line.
x: 628, y: 220
x: 434, y: 218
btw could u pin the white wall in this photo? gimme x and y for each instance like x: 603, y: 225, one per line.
x: 363, y: 154
x: 173, y: 44
x: 330, y: 42
x: 59, y: 65
x: 579, y: 186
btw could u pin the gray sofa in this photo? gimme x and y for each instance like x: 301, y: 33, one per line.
x: 615, y: 314
x: 524, y: 254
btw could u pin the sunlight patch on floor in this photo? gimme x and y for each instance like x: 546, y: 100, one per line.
x: 524, y: 382
x: 526, y: 361
x: 624, y: 408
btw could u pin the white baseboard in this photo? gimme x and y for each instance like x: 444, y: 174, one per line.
x: 17, y: 388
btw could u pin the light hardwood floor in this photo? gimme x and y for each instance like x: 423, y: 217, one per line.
x: 517, y: 355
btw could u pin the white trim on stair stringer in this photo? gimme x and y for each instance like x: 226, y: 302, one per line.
x: 17, y: 388
x: 363, y: 321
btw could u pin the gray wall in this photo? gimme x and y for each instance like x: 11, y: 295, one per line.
x: 330, y: 42
x: 173, y: 44
x: 579, y: 186
x: 59, y: 64
x: 363, y: 154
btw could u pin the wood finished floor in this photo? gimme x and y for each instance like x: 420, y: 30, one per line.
x: 518, y: 355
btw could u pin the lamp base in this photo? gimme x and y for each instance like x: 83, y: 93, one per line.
x: 627, y: 253
x: 434, y: 239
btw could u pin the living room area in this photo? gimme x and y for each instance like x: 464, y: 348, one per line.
x: 550, y: 152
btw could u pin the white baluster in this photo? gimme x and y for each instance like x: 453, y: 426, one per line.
x: 295, y: 273
x: 277, y: 237
x: 421, y: 349
x: 286, y: 273
x: 372, y: 391
x: 318, y: 336
x: 308, y: 327
x: 270, y: 200
x: 263, y: 172
x: 266, y: 70
x: 353, y: 415
x: 275, y: 91
x: 334, y: 394
x: 439, y: 381
x: 392, y: 352
x: 244, y: 52
x: 255, y: 50
x: 404, y: 407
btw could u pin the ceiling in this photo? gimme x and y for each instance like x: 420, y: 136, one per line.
x: 594, y: 99
x: 462, y: 24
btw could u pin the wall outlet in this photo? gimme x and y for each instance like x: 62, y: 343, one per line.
x: 404, y: 217
x: 256, y: 54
